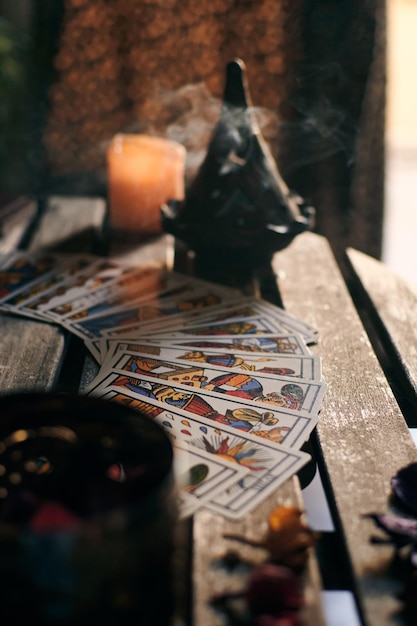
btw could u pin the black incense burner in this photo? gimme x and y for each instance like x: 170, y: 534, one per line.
x: 238, y: 210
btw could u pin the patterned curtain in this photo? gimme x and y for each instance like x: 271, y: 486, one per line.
x: 317, y: 67
x: 135, y: 66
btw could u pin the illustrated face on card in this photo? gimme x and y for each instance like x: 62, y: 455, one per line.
x: 105, y: 299
x: 200, y: 476
x: 25, y: 300
x: 300, y: 395
x: 124, y: 287
x: 279, y: 425
x: 95, y: 276
x: 23, y: 269
x: 143, y: 284
x: 307, y: 367
x: 74, y: 278
x: 119, y: 320
x: 270, y: 464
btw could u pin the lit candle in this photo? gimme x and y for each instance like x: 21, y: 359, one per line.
x: 143, y: 172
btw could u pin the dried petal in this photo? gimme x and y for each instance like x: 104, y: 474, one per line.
x: 274, y: 590
x: 404, y: 485
x: 402, y: 530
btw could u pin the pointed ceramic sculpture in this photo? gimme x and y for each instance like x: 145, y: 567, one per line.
x: 238, y: 210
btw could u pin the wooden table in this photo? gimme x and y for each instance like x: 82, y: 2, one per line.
x: 366, y: 317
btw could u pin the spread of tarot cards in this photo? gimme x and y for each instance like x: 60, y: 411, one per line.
x: 229, y: 377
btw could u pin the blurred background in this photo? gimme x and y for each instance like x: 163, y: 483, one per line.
x: 400, y: 227
x: 333, y: 83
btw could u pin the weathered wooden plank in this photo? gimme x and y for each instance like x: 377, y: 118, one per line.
x: 15, y: 220
x: 395, y: 302
x: 361, y: 431
x: 30, y: 354
x: 211, y: 579
x: 70, y: 224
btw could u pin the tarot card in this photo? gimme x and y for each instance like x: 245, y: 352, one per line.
x: 269, y: 365
x: 279, y: 391
x: 138, y: 313
x: 293, y: 345
x: 199, y: 476
x: 292, y: 323
x: 20, y: 303
x: 90, y: 277
x: 255, y: 307
x: 254, y: 326
x: 276, y: 424
x: 246, y: 309
x: 230, y: 326
x: 142, y: 284
x: 270, y: 464
x: 22, y: 269
x: 135, y: 287
x: 261, y: 324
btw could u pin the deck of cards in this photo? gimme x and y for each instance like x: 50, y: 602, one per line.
x: 230, y: 378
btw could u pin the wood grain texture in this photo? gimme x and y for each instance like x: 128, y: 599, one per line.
x: 15, y: 221
x: 395, y: 302
x: 361, y: 431
x: 30, y: 354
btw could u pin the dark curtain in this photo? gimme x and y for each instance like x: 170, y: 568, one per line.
x: 334, y: 149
